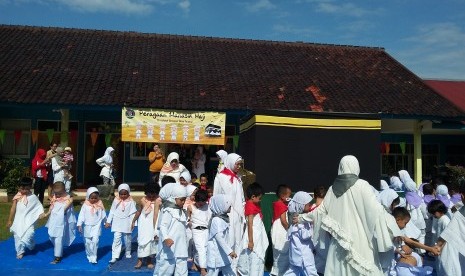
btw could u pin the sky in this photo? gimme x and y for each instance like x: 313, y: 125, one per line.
x: 426, y: 36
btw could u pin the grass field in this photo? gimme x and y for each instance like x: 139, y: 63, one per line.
x: 5, y: 212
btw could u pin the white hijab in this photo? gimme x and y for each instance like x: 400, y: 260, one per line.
x: 298, y: 202
x: 190, y: 189
x: 409, y: 184
x: 172, y: 156
x: 90, y: 191
x: 107, y: 156
x: 396, y: 183
x: 222, y: 154
x: 219, y: 205
x: 383, y: 185
x: 187, y: 176
x: 386, y: 197
x: 171, y: 191
x: 231, y: 160
x: 349, y: 165
x: 124, y: 186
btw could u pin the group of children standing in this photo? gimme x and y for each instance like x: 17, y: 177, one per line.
x: 182, y: 221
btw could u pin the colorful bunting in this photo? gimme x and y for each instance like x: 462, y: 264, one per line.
x: 235, y: 142
x: 50, y: 132
x: 73, y: 135
x: 93, y: 137
x: 2, y: 136
x: 402, y: 147
x: 388, y: 147
x: 34, y: 136
x: 17, y: 134
x: 383, y: 148
x: 108, y: 139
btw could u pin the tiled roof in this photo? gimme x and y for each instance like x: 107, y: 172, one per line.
x: 108, y: 68
x: 454, y: 91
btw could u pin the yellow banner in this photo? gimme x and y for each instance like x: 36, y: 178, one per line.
x: 173, y: 126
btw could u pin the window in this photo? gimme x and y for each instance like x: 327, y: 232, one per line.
x: 16, y: 139
x: 140, y: 151
x: 395, y: 160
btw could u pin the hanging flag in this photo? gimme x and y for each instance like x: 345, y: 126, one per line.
x: 383, y: 148
x: 235, y: 142
x: 17, y: 134
x: 34, y: 136
x: 402, y: 147
x: 50, y: 132
x: 93, y: 137
x: 108, y: 139
x: 2, y: 136
x: 388, y: 147
x: 73, y: 135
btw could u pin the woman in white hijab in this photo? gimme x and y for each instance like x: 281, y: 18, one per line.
x: 360, y: 227
x: 172, y: 167
x: 222, y: 154
x: 229, y: 183
x: 198, y: 162
x: 106, y: 162
x: 58, y: 172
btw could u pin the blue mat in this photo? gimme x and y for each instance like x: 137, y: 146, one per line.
x: 74, y: 258
x: 74, y: 262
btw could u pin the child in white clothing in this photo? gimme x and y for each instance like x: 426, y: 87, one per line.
x: 146, y: 218
x: 62, y: 222
x: 301, y: 258
x: 172, y: 255
x: 219, y: 253
x: 440, y: 220
x: 452, y: 243
x: 255, y: 241
x: 199, y: 215
x: 26, y: 210
x: 279, y: 231
x: 121, y: 214
x: 90, y: 221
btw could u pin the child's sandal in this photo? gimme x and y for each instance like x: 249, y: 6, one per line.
x: 56, y: 260
x: 138, y: 265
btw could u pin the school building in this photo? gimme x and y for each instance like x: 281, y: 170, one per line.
x: 292, y: 109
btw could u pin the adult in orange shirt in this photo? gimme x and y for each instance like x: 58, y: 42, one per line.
x: 156, y: 160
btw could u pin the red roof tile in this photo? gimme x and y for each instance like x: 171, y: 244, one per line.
x: 108, y: 68
x: 454, y: 91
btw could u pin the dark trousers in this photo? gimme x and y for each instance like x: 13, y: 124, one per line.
x: 154, y: 177
x: 39, y: 188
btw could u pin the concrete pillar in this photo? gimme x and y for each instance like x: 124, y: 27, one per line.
x: 417, y: 152
x: 64, y: 127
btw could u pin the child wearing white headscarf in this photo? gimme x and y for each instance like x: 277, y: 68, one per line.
x: 442, y: 193
x: 301, y: 258
x: 219, y: 251
x: 228, y: 182
x: 172, y: 251
x: 89, y: 222
x: 106, y: 162
x: 414, y: 205
x: 122, y: 212
x: 396, y: 183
